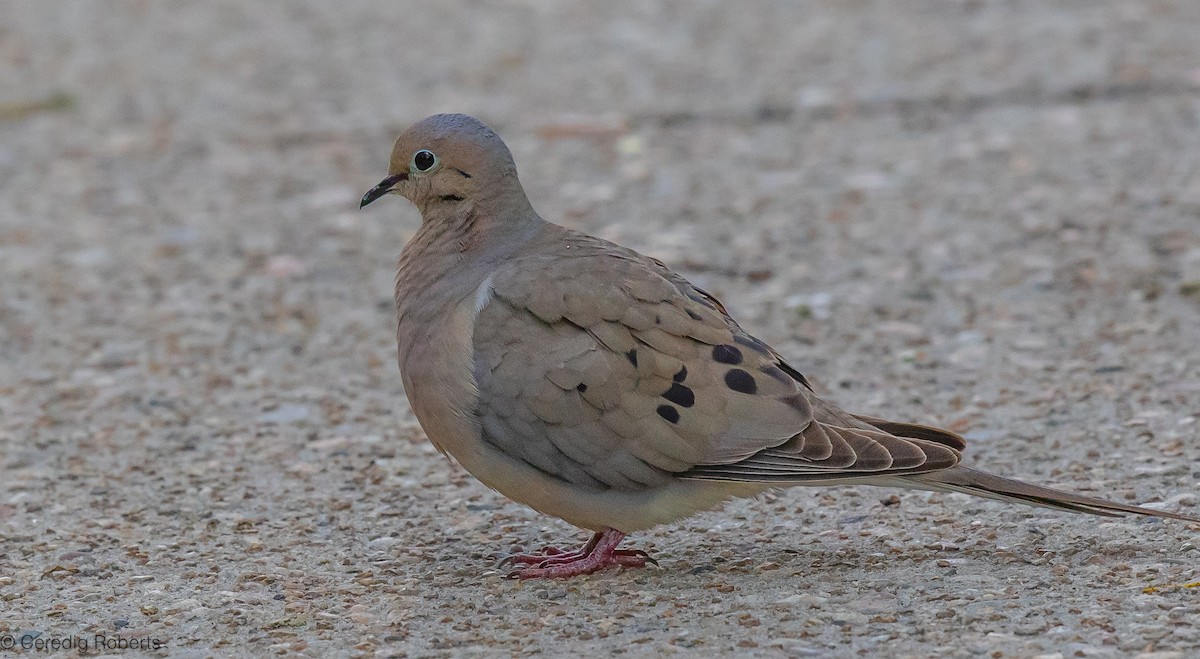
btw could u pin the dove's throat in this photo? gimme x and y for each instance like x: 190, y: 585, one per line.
x: 450, y: 255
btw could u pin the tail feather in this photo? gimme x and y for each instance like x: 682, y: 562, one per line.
x: 917, y: 431
x: 982, y: 484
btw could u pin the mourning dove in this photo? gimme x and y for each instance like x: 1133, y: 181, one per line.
x: 592, y: 383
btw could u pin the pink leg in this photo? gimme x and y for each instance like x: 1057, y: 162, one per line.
x: 599, y: 553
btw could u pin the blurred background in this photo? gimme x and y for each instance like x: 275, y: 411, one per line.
x: 979, y: 214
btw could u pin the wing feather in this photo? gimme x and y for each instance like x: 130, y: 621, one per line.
x: 628, y: 376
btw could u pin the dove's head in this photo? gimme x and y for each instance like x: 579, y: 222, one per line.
x: 448, y: 160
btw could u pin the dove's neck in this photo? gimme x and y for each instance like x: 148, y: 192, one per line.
x: 456, y: 249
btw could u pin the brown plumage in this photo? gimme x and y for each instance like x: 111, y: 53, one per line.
x: 592, y: 383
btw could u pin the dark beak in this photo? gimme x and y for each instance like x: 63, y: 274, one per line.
x: 383, y: 188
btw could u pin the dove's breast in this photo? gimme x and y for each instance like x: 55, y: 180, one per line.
x: 435, y: 357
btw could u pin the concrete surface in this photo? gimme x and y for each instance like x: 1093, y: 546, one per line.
x: 980, y: 214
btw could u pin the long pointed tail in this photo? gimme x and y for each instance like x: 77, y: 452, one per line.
x: 991, y: 486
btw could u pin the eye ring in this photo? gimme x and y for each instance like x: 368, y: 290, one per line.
x: 424, y: 160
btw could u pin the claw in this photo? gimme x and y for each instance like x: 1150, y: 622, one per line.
x: 641, y: 554
x: 524, y: 559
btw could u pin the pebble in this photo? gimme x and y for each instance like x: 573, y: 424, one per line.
x: 288, y: 413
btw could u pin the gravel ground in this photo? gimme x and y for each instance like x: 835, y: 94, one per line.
x: 979, y: 214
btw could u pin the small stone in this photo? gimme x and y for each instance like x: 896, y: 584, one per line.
x: 288, y: 413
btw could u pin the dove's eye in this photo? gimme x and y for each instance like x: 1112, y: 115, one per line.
x: 424, y: 160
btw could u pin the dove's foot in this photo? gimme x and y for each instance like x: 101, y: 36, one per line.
x: 599, y: 553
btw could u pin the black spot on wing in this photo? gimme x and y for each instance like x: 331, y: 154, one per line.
x: 581, y: 387
x: 727, y: 354
x: 680, y: 395
x: 740, y: 381
x: 681, y: 375
x: 632, y: 356
x: 669, y: 413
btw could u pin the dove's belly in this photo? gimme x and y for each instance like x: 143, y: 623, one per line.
x: 623, y: 510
